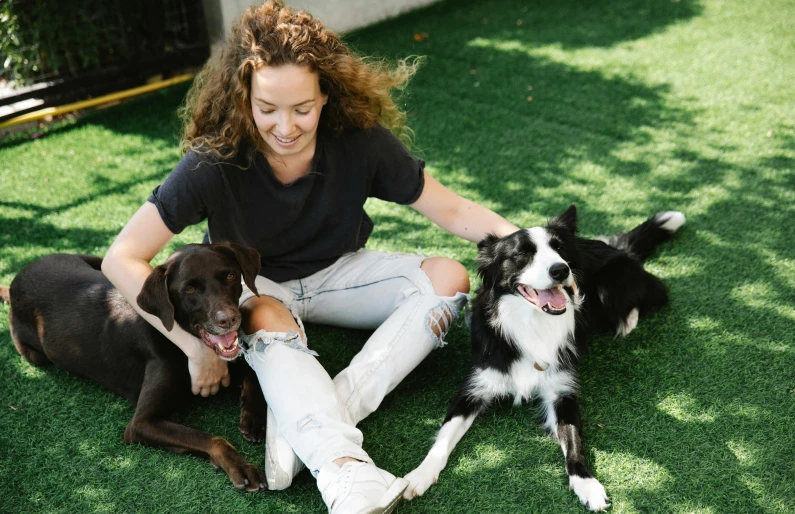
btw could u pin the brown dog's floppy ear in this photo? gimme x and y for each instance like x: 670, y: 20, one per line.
x: 154, y: 299
x: 249, y: 261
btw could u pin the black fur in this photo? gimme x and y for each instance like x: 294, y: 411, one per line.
x: 603, y: 283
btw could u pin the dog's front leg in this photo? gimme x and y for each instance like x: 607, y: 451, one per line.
x: 427, y: 473
x: 462, y: 412
x: 150, y: 426
x: 566, y: 425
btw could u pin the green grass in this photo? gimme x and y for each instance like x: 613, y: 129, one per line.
x: 637, y: 107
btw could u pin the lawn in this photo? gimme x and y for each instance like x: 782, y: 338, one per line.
x: 624, y: 107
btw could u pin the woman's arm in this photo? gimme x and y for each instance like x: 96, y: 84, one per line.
x: 458, y: 215
x: 126, y: 265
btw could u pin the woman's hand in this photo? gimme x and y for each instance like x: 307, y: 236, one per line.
x: 126, y: 265
x: 208, y: 372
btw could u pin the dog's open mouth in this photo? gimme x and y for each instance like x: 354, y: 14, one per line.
x: 225, y: 345
x: 551, y: 301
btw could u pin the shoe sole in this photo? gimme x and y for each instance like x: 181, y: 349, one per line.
x: 390, y: 498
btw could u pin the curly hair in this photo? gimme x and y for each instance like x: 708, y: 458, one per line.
x: 217, y: 111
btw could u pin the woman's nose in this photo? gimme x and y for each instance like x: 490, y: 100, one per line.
x: 285, y: 124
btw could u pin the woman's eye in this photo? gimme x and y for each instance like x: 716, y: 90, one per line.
x: 302, y: 113
x: 265, y: 112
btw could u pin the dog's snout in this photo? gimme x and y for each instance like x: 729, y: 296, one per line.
x: 227, y: 318
x: 559, y: 271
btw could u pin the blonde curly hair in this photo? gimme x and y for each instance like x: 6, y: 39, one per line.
x: 217, y: 111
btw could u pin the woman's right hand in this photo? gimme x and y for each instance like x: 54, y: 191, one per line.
x: 208, y: 372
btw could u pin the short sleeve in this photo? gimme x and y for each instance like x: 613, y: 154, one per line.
x: 185, y: 197
x: 397, y: 175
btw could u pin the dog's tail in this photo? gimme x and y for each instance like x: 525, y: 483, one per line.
x: 642, y: 240
x: 5, y: 294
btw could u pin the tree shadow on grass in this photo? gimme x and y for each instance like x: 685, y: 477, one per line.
x: 692, y: 400
x: 481, y: 136
x: 470, y: 109
x: 33, y: 229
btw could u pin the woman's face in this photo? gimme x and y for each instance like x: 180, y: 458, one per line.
x: 286, y: 102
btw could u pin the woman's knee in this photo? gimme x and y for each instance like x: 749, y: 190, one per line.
x: 267, y: 313
x: 447, y: 276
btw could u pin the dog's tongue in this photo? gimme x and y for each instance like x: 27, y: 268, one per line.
x: 553, y: 297
x: 226, y: 340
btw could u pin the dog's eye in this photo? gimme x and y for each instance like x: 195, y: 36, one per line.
x: 190, y: 290
x: 231, y: 276
x: 555, y: 245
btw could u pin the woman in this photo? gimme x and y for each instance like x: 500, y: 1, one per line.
x: 286, y: 138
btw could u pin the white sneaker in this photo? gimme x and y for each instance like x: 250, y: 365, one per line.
x: 281, y: 462
x: 359, y: 488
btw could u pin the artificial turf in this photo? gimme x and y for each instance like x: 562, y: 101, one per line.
x: 624, y: 107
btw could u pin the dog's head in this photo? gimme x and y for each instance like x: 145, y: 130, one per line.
x: 199, y: 288
x: 537, y: 264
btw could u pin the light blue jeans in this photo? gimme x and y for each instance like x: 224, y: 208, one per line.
x: 365, y: 290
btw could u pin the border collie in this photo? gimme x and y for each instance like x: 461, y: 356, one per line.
x: 544, y: 291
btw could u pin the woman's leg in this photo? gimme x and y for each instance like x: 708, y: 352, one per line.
x: 311, y: 417
x: 411, y: 300
x: 297, y: 388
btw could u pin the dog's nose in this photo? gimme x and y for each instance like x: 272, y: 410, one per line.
x: 559, y: 271
x: 227, y: 318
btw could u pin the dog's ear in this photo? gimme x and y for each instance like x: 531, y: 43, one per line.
x: 154, y: 299
x: 567, y: 220
x: 486, y: 253
x: 486, y: 242
x: 249, y: 261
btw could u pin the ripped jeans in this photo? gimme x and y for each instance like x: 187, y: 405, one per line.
x: 363, y: 290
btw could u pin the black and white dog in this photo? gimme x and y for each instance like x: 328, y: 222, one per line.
x: 544, y: 291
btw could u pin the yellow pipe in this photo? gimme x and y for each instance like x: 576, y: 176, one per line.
x: 54, y: 111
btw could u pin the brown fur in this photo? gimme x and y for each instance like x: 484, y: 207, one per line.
x: 65, y: 312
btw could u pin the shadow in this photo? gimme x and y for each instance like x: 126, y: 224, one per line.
x: 34, y: 227
x: 691, y: 412
x: 482, y: 137
x: 569, y: 23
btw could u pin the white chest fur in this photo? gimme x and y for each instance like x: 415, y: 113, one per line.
x: 539, y: 337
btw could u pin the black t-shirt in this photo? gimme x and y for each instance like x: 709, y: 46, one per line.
x: 299, y: 228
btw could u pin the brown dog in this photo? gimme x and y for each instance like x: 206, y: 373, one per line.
x: 65, y: 312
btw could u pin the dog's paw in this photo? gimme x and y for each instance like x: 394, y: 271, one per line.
x: 252, y: 426
x: 245, y: 476
x: 590, y: 492
x: 419, y: 481
x: 627, y: 326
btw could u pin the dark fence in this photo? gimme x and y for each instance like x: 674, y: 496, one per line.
x: 63, y: 51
